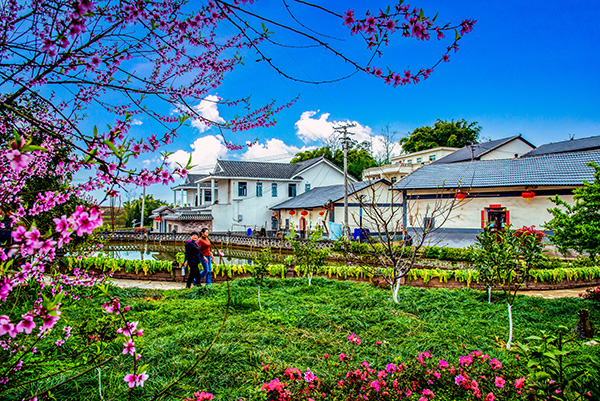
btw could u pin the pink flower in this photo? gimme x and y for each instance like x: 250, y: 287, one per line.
x: 201, y: 396
x: 129, y: 348
x: 499, y: 382
x: 140, y: 379
x: 353, y: 338
x: 26, y: 325
x: 309, y: 376
x: 443, y: 364
x: 520, y: 383
x: 6, y: 327
x: 495, y: 364
x: 390, y: 367
x: 18, y: 160
x: 490, y: 397
x: 130, y: 380
x: 343, y: 357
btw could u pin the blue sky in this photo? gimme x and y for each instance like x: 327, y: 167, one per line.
x: 528, y: 67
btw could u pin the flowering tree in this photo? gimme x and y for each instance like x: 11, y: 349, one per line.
x: 64, y: 62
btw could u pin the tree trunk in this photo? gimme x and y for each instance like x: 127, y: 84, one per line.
x: 489, y: 294
x: 259, y: 305
x: 309, y: 278
x: 510, y: 326
x: 395, y: 289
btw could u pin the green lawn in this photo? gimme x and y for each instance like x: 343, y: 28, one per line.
x: 298, y: 324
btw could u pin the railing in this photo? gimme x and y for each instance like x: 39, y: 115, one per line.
x: 227, y: 239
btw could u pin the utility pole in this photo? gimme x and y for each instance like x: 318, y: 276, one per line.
x: 344, y: 131
x: 143, y: 205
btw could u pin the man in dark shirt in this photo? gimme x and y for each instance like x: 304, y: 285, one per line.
x: 192, y: 259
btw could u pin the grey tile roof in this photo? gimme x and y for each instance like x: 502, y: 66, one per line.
x: 264, y: 170
x: 574, y: 145
x: 320, y: 196
x: 563, y: 169
x: 480, y: 149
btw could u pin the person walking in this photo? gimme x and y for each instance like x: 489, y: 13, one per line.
x: 206, y: 257
x: 192, y: 259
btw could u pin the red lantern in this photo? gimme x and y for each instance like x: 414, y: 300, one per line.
x: 322, y: 212
x: 528, y: 195
x: 304, y: 213
x: 460, y: 196
x: 275, y: 215
x: 292, y: 212
x: 158, y: 219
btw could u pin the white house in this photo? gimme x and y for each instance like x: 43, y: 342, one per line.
x: 494, y: 192
x: 243, y: 192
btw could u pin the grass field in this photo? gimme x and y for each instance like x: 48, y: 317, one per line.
x: 297, y: 325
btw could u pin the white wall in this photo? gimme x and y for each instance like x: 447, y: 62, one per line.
x: 508, y: 151
x: 466, y: 214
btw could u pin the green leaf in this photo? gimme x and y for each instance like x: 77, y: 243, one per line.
x: 457, y: 35
x: 31, y: 148
x: 90, y: 156
x: 112, y: 147
x: 95, y: 131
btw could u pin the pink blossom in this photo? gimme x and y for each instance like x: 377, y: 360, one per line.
x: 18, y: 160
x: 26, y: 325
x: 520, y: 383
x: 499, y: 382
x: 129, y: 348
x: 353, y: 338
x: 495, y: 364
x: 309, y: 376
x: 130, y: 380
x: 490, y: 397
x: 140, y: 379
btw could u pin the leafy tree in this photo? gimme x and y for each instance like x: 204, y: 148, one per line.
x: 308, y: 256
x: 359, y: 157
x: 509, y: 255
x: 443, y: 133
x: 133, y: 209
x: 577, y: 226
x: 260, y: 269
x: 311, y: 154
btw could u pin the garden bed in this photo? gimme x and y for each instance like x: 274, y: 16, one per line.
x: 542, y: 279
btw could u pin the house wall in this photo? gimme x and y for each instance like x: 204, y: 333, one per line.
x: 508, y: 151
x: 321, y: 175
x: 467, y: 214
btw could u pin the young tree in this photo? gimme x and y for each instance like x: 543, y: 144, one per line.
x: 577, y: 226
x: 443, y: 133
x: 63, y: 63
x: 260, y: 269
x: 510, y: 254
x: 392, y: 249
x: 307, y: 254
x: 389, y: 143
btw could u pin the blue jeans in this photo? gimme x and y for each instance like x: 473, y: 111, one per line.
x: 206, y: 271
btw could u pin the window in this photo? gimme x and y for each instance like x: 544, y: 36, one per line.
x: 306, y: 187
x: 291, y: 190
x: 431, y: 158
x: 409, y: 161
x: 428, y: 223
x: 274, y: 190
x: 419, y: 160
x: 393, y: 180
x: 259, y: 189
x: 242, y: 188
x: 207, y: 198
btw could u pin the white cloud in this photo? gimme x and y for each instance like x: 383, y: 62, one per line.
x: 205, y: 152
x: 311, y: 129
x: 273, y: 150
x: 207, y: 108
x: 135, y: 121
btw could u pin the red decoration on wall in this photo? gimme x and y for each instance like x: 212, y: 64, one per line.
x: 460, y: 196
x: 304, y: 213
x: 158, y: 219
x: 528, y: 195
x: 292, y: 212
x: 322, y: 212
x: 275, y: 215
